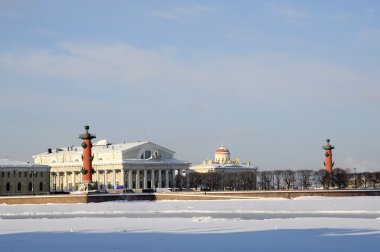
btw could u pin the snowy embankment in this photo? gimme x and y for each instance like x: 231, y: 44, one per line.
x: 309, y: 223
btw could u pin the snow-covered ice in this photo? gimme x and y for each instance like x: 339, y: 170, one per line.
x: 301, y: 224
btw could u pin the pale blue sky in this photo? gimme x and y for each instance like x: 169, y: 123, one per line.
x: 271, y: 80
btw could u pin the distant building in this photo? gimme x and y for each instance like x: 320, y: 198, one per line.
x: 137, y: 165
x: 18, y: 177
x: 222, y: 163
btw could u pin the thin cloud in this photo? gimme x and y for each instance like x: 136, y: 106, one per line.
x: 9, y: 15
x: 290, y: 13
x: 139, y: 69
x: 369, y: 37
x: 89, y: 62
x: 164, y: 15
x: 44, y: 32
x: 178, y: 12
x: 371, y: 11
x: 342, y: 17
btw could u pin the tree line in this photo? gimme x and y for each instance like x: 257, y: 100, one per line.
x: 284, y: 180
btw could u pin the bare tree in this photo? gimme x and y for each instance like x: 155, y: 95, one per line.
x: 265, y: 180
x: 289, y: 178
x: 340, y: 178
x: 195, y: 179
x: 377, y: 176
x: 366, y: 177
x: 304, y: 177
x: 230, y: 180
x: 248, y: 180
x: 277, y: 178
x: 374, y: 179
x: 323, y: 178
x: 212, y: 180
x: 180, y: 181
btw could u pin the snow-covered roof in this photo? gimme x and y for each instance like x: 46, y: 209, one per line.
x: 9, y: 162
x: 155, y: 161
x: 102, y: 142
x: 232, y: 166
x: 103, y: 146
x: 16, y: 163
x: 224, y: 166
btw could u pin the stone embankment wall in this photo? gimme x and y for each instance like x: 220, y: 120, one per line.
x: 63, y: 199
x: 81, y: 198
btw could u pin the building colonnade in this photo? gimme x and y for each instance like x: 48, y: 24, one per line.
x: 121, y: 178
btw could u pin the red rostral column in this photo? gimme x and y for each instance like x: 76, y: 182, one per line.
x: 87, y: 156
x: 329, y: 164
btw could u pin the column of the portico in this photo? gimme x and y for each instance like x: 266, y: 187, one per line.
x: 59, y: 181
x: 114, y: 178
x: 180, y: 172
x: 65, y: 180
x: 97, y: 178
x: 167, y: 178
x: 122, y: 178
x: 72, y: 180
x: 173, y: 178
x: 187, y: 179
x: 130, y: 181
x: 153, y: 182
x: 145, y: 178
x: 52, y: 181
x: 137, y: 179
x: 159, y: 178
x: 106, y: 179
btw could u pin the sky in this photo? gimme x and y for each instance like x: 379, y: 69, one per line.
x: 270, y: 80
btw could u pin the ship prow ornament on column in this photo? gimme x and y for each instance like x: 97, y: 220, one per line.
x: 87, y: 158
x: 329, y: 164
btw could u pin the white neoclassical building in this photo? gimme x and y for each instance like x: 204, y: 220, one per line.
x: 137, y: 165
x: 222, y: 162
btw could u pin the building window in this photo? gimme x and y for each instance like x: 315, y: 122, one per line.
x: 146, y: 154
x: 25, y: 174
x: 19, y: 186
x: 8, y: 187
x: 19, y: 174
x: 42, y: 174
x: 2, y: 174
x: 9, y: 174
x: 30, y: 187
x: 41, y: 186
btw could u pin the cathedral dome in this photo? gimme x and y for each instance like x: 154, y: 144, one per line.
x: 222, y: 149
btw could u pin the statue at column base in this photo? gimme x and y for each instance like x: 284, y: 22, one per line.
x: 82, y: 188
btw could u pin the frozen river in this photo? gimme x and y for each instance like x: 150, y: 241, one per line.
x: 302, y: 224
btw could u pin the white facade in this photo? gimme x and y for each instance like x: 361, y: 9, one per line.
x: 138, y: 165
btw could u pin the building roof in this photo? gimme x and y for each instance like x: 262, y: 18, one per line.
x: 9, y: 162
x: 228, y: 166
x: 16, y: 163
x: 155, y: 161
x: 103, y: 146
x: 222, y: 149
